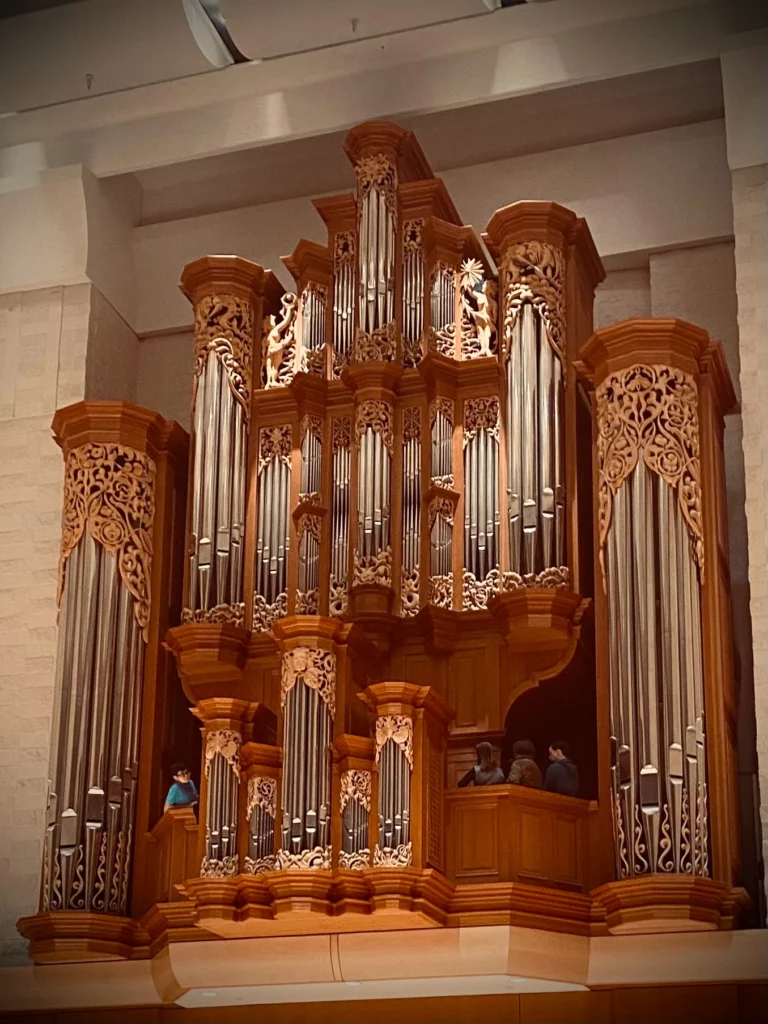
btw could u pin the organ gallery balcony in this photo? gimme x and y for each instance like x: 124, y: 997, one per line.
x: 421, y: 507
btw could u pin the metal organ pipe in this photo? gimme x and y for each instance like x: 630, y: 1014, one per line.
x: 534, y: 426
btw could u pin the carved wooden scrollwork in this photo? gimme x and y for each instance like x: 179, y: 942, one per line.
x: 412, y: 239
x: 440, y: 506
x: 377, y: 416
x: 318, y: 859
x: 342, y: 434
x: 553, y: 577
x: 224, y: 325
x: 316, y: 668
x: 476, y: 593
x: 311, y: 425
x: 441, y: 404
x: 400, y: 857
x: 275, y: 443
x: 355, y: 785
x: 376, y: 568
x: 650, y: 411
x: 380, y: 344
x: 110, y: 489
x: 411, y: 423
x: 377, y: 172
x: 409, y: 592
x: 262, y: 792
x: 533, y: 272
x: 343, y: 249
x: 225, y: 742
x: 399, y: 729
x: 234, y: 613
x: 441, y: 591
x: 481, y: 414
x: 265, y: 615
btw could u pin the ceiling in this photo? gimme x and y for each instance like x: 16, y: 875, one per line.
x: 12, y: 8
x: 478, y: 134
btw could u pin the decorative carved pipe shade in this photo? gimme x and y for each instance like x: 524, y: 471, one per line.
x: 111, y: 453
x: 660, y: 393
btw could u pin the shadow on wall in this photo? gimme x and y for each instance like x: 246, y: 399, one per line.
x: 564, y: 707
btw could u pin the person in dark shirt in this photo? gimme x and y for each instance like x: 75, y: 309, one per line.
x: 183, y: 792
x: 562, y: 775
x: 486, y: 772
x: 524, y: 771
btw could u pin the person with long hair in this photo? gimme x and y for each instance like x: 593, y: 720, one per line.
x: 486, y: 772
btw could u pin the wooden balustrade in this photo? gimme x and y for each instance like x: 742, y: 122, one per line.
x: 517, y: 834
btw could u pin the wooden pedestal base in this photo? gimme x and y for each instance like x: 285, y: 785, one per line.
x: 669, y: 903
x: 71, y: 936
x: 379, y: 899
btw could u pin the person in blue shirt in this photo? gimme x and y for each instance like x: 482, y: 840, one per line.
x: 183, y: 792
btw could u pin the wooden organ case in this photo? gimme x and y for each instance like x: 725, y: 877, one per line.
x: 416, y: 491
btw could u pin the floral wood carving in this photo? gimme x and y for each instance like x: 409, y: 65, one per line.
x: 225, y: 742
x: 265, y: 615
x: 399, y: 729
x: 275, y: 443
x: 409, y: 592
x: 110, y: 488
x: 316, y: 668
x: 399, y: 857
x: 224, y: 325
x: 650, y: 411
x: 318, y: 859
x: 481, y: 414
x: 443, y: 481
x: 259, y: 865
x: 310, y: 524
x: 376, y: 568
x: 377, y: 172
x: 234, y: 613
x: 441, y: 591
x: 378, y: 416
x: 226, y: 868
x: 380, y: 345
x: 553, y: 577
x: 343, y: 249
x: 476, y: 593
x: 441, y: 404
x: 262, y: 792
x: 412, y: 241
x: 412, y: 423
x: 307, y: 602
x: 355, y: 785
x: 356, y: 860
x: 311, y: 425
x: 279, y: 343
x: 533, y: 272
x: 342, y: 434
x: 337, y: 598
x: 440, y: 506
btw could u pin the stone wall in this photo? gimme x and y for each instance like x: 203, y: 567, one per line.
x: 750, y: 217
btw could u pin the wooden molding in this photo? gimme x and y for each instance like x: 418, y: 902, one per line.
x: 669, y: 342
x: 398, y: 144
x: 232, y: 275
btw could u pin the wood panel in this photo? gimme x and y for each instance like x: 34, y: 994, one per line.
x: 510, y: 834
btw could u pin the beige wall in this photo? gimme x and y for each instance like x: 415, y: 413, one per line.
x: 57, y: 346
x: 750, y: 210
x: 43, y: 341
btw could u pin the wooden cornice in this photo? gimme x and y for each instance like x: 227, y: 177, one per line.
x: 715, y: 366
x: 338, y: 212
x: 654, y: 341
x: 530, y: 219
x: 210, y: 658
x: 396, y: 143
x: 231, y: 275
x: 309, y: 262
x: 120, y: 423
x: 428, y: 198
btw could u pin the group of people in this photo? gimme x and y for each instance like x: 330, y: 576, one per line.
x: 562, y: 774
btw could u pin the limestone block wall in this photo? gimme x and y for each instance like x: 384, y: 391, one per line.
x: 57, y: 346
x: 750, y: 217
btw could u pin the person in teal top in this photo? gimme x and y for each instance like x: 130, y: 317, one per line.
x: 183, y: 792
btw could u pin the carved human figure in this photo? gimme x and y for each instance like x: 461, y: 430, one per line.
x: 279, y: 337
x: 485, y: 316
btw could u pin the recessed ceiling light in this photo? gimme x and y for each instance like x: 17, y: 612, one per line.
x: 353, y: 982
x: 207, y: 994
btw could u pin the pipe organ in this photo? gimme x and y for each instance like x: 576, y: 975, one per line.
x: 389, y: 479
